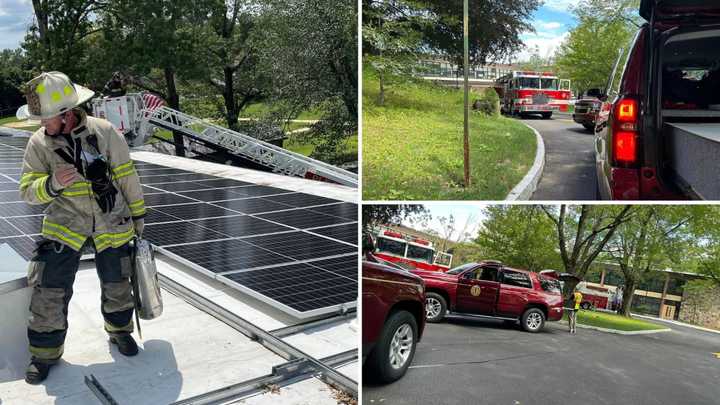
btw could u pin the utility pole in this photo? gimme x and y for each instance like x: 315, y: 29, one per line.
x: 466, y: 123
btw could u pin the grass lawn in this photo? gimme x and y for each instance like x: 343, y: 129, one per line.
x: 413, y: 146
x: 613, y: 321
x: 10, y: 120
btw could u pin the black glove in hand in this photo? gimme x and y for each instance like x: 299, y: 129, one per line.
x: 106, y: 198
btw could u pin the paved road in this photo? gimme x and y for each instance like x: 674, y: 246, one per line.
x: 485, y: 362
x: 569, y: 159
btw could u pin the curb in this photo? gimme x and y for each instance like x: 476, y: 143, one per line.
x: 524, y: 189
x: 620, y: 332
x: 687, y: 325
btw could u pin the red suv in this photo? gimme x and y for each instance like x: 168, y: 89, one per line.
x: 656, y: 132
x: 393, y: 319
x: 490, y: 290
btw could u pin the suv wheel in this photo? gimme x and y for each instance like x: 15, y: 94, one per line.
x: 395, y: 349
x: 533, y: 320
x: 435, y: 307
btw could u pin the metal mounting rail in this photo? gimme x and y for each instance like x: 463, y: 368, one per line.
x: 100, y: 392
x: 276, y: 158
x: 265, y: 338
x: 282, y: 375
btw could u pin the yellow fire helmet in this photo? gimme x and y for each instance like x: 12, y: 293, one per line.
x: 51, y: 94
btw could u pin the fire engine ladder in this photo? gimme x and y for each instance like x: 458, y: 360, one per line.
x: 279, y: 160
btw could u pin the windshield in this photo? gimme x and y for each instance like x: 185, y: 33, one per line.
x: 443, y: 259
x: 460, y: 269
x: 391, y: 246
x: 549, y: 84
x: 528, y: 82
x: 420, y: 253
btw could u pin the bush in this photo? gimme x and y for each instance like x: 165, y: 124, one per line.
x: 488, y: 102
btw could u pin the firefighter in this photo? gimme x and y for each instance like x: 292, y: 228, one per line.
x: 80, y: 166
x: 575, y: 300
x: 115, y: 87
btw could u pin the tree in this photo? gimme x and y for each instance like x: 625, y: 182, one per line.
x: 392, y: 214
x: 391, y: 39
x: 647, y: 240
x: 495, y: 28
x: 159, y: 39
x: 519, y: 236
x: 588, y: 54
x: 233, y: 70
x: 56, y: 40
x: 14, y: 72
x: 582, y: 233
x: 310, y: 51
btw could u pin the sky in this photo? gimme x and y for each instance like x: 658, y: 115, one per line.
x: 15, y: 17
x: 462, y: 212
x: 552, y: 22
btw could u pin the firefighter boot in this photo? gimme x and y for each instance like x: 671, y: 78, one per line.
x: 37, y: 371
x: 125, y: 343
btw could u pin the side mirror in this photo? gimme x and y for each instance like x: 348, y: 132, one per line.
x: 368, y: 243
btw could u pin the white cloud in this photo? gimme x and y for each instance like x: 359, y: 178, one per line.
x: 553, y: 25
x: 560, y: 5
x: 545, y: 42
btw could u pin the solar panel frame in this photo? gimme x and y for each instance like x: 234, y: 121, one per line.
x: 231, y: 228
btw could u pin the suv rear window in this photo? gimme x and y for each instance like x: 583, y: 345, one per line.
x: 549, y: 285
x: 516, y: 279
x: 691, y: 71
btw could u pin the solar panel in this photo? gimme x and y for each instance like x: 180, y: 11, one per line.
x: 295, y: 251
x: 347, y: 233
x: 301, y: 218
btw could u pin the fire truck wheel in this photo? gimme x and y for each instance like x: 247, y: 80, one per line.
x: 547, y: 115
x: 533, y: 320
x: 435, y: 307
x: 585, y: 305
x: 395, y: 349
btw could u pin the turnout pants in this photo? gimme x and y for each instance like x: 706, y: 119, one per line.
x: 52, y: 274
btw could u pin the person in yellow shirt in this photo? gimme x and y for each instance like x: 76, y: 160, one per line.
x: 576, y: 299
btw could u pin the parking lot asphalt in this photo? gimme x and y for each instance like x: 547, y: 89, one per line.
x: 464, y: 361
x: 569, y: 172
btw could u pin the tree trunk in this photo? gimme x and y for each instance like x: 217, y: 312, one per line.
x: 231, y: 107
x: 628, y: 293
x: 41, y: 13
x: 174, y: 102
x: 381, y: 95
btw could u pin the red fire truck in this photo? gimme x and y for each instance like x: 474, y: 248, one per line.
x: 410, y: 252
x: 526, y: 92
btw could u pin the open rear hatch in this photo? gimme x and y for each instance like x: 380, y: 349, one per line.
x: 666, y: 10
x: 690, y: 108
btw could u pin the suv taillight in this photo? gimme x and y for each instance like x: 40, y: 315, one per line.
x: 624, y: 131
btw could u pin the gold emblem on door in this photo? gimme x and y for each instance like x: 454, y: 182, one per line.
x: 475, y: 290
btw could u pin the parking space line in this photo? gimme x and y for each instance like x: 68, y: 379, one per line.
x: 462, y: 363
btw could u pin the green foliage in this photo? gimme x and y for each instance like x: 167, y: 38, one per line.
x: 495, y: 27
x: 520, y: 236
x: 488, y: 102
x: 13, y: 73
x: 612, y: 321
x: 588, y: 54
x: 375, y: 215
x: 412, y: 146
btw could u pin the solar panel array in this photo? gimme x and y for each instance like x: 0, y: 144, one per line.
x: 293, y: 250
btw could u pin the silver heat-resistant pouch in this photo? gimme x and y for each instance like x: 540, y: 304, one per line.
x: 148, y: 300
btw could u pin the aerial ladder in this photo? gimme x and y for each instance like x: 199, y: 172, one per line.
x: 138, y: 115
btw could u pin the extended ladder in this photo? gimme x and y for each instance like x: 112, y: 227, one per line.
x: 134, y: 119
